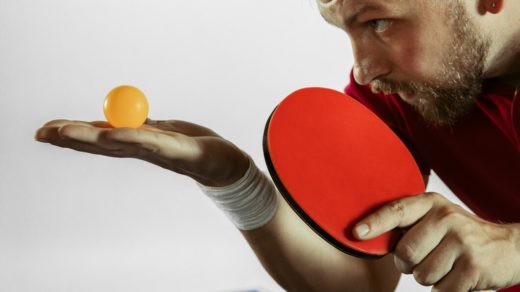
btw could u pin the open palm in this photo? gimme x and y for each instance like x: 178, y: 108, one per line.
x: 180, y: 146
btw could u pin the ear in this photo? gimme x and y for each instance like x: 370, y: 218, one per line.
x: 491, y: 6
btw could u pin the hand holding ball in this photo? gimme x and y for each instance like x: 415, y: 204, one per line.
x: 126, y: 107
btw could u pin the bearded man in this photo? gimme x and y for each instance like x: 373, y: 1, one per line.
x: 444, y: 75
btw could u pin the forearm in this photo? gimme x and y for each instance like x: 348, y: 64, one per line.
x: 299, y: 260
x: 295, y: 256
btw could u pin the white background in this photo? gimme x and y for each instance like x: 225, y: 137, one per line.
x: 71, y: 221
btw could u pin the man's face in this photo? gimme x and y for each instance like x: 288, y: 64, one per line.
x: 427, y: 51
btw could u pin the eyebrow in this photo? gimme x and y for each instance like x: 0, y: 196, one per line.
x: 359, y: 11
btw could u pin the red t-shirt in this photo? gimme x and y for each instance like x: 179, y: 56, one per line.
x: 478, y: 158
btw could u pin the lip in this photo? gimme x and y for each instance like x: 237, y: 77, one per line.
x: 406, y: 95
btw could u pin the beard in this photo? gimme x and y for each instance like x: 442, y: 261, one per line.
x: 444, y: 100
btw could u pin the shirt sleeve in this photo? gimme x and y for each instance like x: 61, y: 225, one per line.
x: 388, y: 109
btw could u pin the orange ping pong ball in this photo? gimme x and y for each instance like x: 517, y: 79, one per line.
x: 126, y: 106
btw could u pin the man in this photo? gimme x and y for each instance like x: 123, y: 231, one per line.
x: 444, y: 75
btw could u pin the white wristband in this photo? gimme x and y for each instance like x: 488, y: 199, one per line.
x: 250, y: 202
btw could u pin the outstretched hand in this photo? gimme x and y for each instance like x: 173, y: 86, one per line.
x: 182, y: 147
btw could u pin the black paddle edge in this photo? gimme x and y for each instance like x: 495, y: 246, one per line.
x: 308, y: 220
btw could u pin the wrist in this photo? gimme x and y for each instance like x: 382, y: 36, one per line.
x: 235, y: 165
x: 250, y: 202
x: 240, y: 164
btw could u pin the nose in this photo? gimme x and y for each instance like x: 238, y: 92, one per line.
x: 369, y: 64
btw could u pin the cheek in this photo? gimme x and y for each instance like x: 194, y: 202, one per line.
x: 411, y: 57
x: 433, y: 54
x: 420, y: 58
x: 420, y: 48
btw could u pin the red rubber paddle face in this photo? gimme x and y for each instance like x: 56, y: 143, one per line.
x: 335, y: 162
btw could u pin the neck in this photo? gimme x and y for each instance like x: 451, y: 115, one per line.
x: 508, y: 66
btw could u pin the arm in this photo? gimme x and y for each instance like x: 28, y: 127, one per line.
x: 300, y: 260
x: 296, y: 257
x: 311, y: 264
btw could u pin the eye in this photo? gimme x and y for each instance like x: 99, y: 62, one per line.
x: 380, y: 25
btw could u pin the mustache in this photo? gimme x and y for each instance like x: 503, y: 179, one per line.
x: 388, y: 86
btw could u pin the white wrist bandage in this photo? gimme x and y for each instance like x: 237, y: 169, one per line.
x: 250, y: 202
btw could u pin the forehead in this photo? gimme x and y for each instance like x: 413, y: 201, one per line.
x: 339, y: 12
x: 358, y: 4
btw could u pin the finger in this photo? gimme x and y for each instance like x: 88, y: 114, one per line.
x: 41, y: 133
x: 62, y: 122
x: 92, y: 149
x: 437, y: 264
x: 168, y: 145
x: 138, y: 143
x: 87, y: 135
x: 418, y: 242
x: 47, y: 134
x: 87, y: 139
x: 48, y: 129
x: 183, y: 127
x: 457, y: 280
x: 400, y: 213
x: 81, y: 133
x: 53, y: 137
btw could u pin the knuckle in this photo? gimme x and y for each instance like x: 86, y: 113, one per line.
x: 433, y: 196
x: 446, y: 211
x: 448, y: 214
x: 441, y: 287
x: 436, y: 197
x: 458, y: 239
x: 470, y: 267
x: 402, y: 266
x: 64, y: 130
x: 398, y: 208
x: 375, y: 219
x: 463, y: 236
x: 422, y: 277
x: 407, y: 252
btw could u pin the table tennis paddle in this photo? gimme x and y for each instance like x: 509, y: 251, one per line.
x: 334, y: 161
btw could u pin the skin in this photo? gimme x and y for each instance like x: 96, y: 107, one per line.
x: 441, y: 79
x: 444, y: 246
